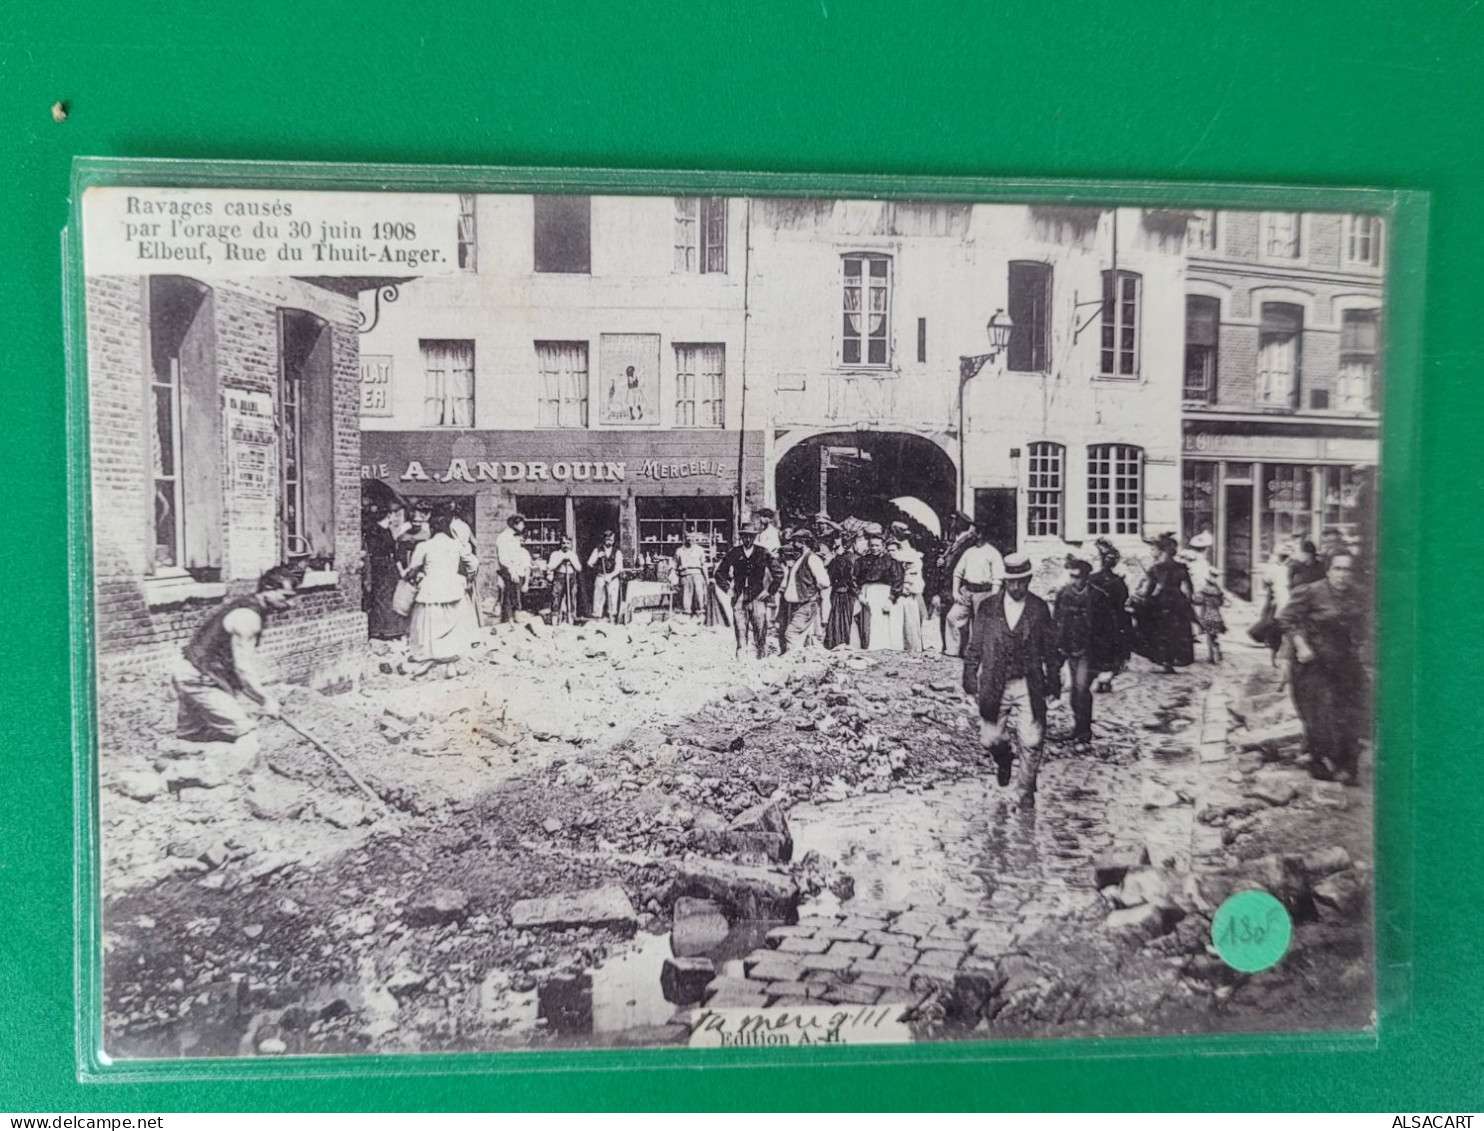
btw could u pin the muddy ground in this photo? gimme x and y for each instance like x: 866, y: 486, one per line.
x: 280, y: 911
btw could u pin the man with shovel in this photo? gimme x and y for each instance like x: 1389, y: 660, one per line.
x: 219, y: 666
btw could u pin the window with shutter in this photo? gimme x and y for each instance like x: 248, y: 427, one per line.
x: 1029, y: 305
x: 1360, y: 332
x: 700, y: 384
x: 448, y: 399
x: 1202, y: 329
x: 1280, y: 354
x: 306, y: 434
x: 185, y: 428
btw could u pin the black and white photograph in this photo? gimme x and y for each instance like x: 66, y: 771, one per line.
x: 531, y: 621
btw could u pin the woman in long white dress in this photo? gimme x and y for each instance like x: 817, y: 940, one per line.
x: 439, y: 630
x: 879, y: 580
x: 911, y: 608
x: 462, y: 531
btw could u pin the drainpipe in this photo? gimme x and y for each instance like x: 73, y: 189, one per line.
x: 746, y: 320
x: 962, y: 476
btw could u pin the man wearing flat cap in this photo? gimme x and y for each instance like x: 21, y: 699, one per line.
x: 748, y: 577
x: 806, y: 590
x: 1088, y: 635
x: 1012, y: 666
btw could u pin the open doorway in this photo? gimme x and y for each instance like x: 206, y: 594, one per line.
x: 857, y: 474
x: 994, y: 512
x: 592, y: 519
x: 1238, y: 539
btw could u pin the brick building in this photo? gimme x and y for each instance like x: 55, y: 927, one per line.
x: 1282, y: 381
x: 225, y: 439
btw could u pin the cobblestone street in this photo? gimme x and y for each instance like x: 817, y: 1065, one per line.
x: 958, y: 895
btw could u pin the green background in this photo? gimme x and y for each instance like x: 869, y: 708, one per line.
x: 1332, y: 92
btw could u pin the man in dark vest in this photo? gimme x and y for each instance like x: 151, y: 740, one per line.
x: 1088, y: 636
x: 806, y: 587
x: 220, y: 664
x: 748, y: 577
x: 1012, y: 666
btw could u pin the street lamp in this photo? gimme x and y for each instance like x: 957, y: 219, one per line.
x: 999, y: 338
x: 999, y: 329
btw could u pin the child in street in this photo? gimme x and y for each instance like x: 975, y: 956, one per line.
x: 1208, y: 601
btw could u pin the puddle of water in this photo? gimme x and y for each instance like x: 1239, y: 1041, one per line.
x: 955, y: 845
x: 624, y: 992
x: 945, y: 846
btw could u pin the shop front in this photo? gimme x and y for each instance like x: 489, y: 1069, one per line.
x: 649, y: 488
x: 1254, y: 489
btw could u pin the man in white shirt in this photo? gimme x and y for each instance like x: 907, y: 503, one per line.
x: 690, y: 569
x: 513, y: 561
x: 806, y: 589
x: 564, y: 567
x: 979, y: 572
x: 767, y: 534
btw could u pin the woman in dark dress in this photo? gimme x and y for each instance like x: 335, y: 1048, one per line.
x: 1163, y: 610
x: 384, y: 561
x: 1115, y: 593
x: 841, y: 569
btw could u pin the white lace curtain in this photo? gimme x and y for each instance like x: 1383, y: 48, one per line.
x: 449, y: 401
x: 563, y: 384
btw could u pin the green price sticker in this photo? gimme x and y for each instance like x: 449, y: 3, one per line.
x: 1251, y: 931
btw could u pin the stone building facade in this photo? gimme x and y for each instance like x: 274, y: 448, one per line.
x: 863, y: 310
x: 755, y: 382
x: 585, y: 371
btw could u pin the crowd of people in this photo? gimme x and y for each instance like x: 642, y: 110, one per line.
x: 897, y: 586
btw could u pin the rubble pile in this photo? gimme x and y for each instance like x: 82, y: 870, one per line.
x: 581, y: 797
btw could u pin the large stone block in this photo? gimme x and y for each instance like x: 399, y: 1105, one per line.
x: 745, y: 891
x: 727, y: 992
x: 1326, y: 861
x: 441, y: 905
x: 683, y: 981
x: 700, y: 925
x: 1277, y: 734
x: 825, y: 963
x: 813, y: 944
x: 607, y: 906
x: 1111, y: 867
x: 1137, y: 925
x: 1341, y: 896
x: 774, y: 968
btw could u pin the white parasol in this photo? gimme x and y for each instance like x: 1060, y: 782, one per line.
x: 919, y: 510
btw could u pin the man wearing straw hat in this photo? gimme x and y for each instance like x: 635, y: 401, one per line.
x: 1012, y: 666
